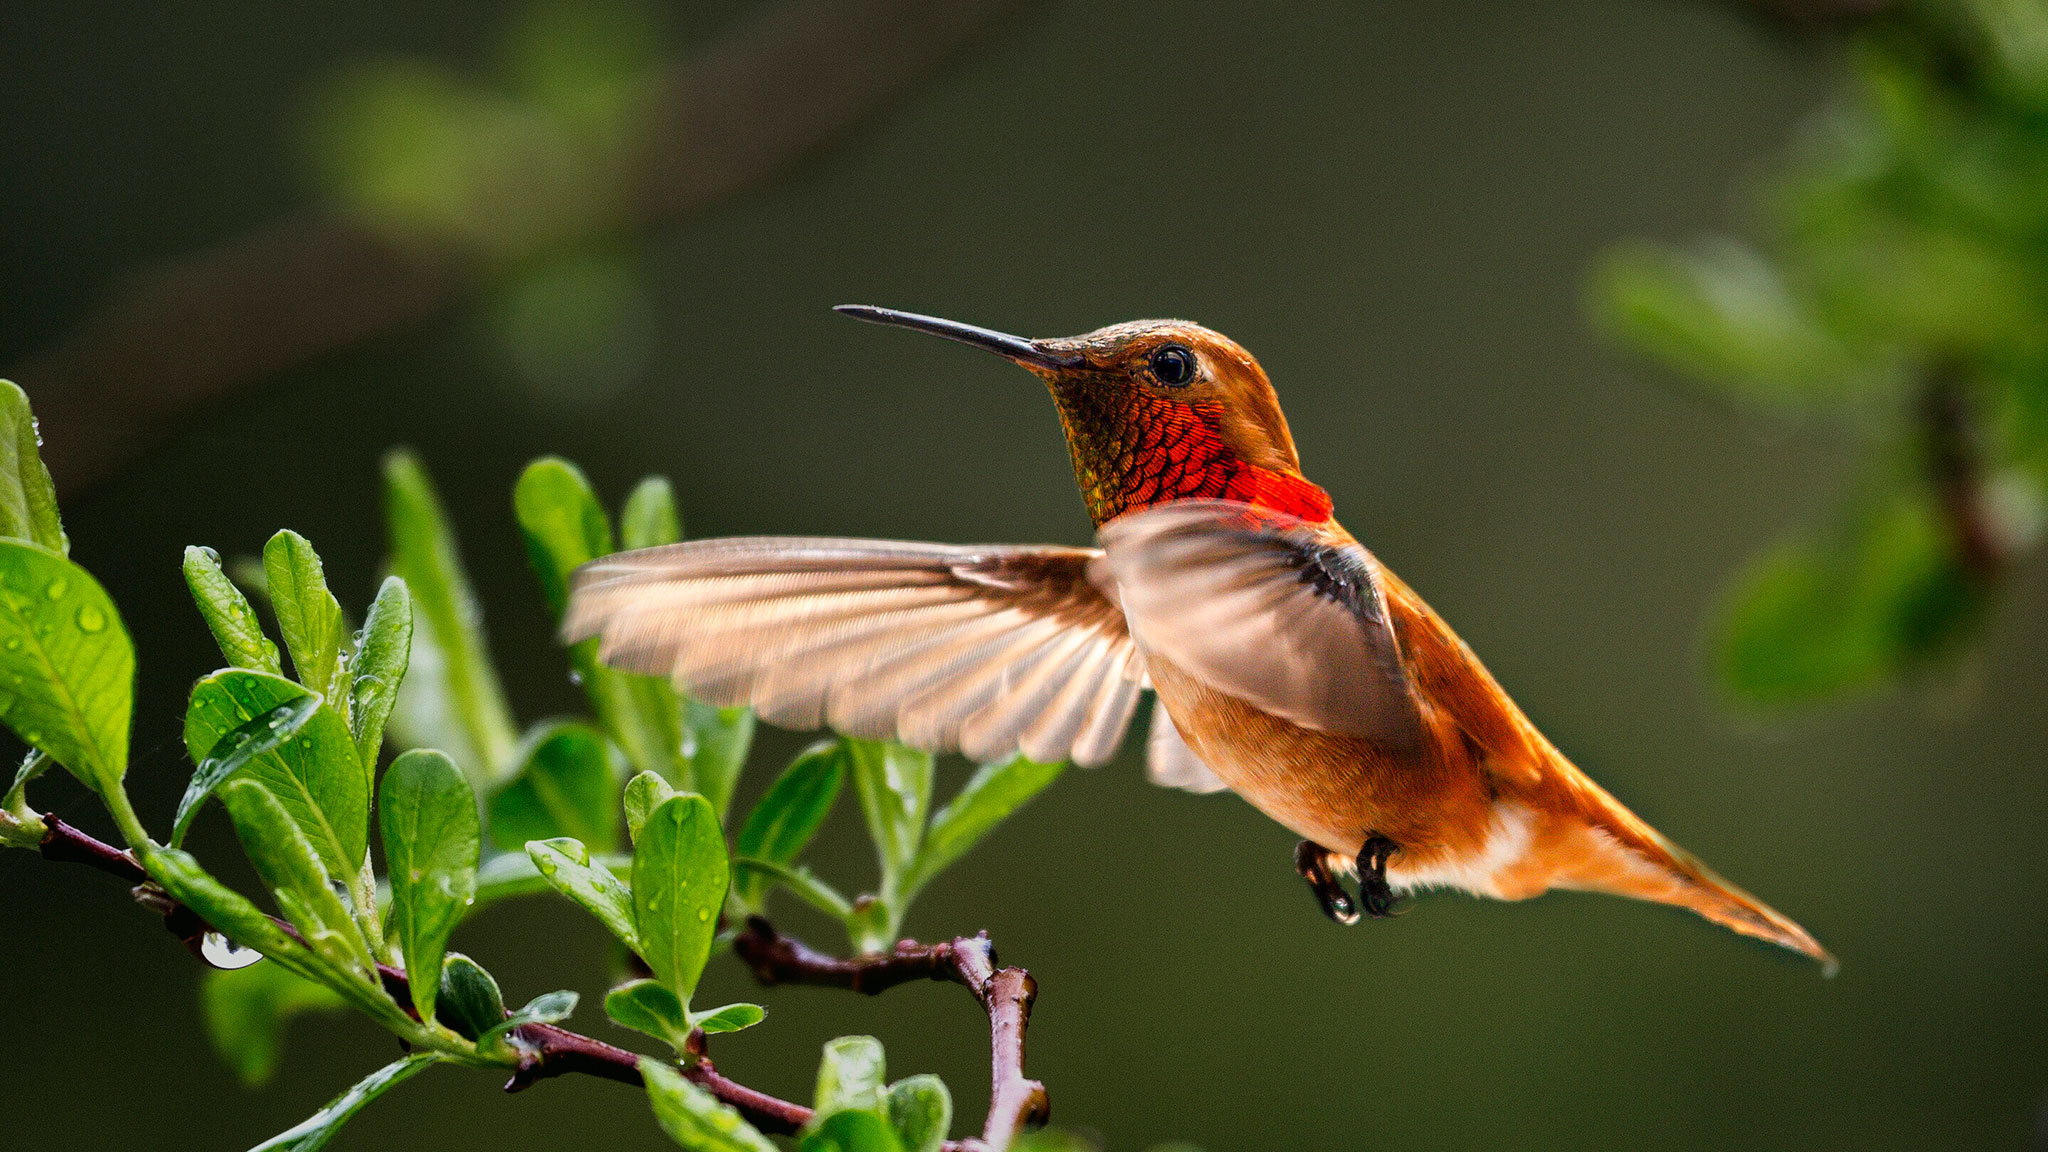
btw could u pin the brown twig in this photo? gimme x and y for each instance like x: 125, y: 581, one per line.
x: 787, y: 81
x: 1006, y: 994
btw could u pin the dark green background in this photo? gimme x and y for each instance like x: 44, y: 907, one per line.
x: 1391, y: 204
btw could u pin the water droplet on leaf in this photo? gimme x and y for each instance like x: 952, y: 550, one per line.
x: 225, y: 954
x: 57, y: 588
x: 91, y: 619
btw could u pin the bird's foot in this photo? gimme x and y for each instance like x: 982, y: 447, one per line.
x: 1312, y: 860
x: 1373, y: 890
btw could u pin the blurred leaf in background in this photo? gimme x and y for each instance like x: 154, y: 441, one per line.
x: 1898, y: 291
x: 525, y: 166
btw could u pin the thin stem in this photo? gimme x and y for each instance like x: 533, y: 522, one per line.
x: 125, y: 819
x: 1006, y: 994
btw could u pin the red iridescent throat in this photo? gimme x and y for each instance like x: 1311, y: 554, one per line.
x: 1136, y: 450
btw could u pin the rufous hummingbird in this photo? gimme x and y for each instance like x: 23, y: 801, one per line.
x: 1289, y: 665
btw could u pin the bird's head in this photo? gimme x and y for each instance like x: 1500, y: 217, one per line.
x: 1155, y: 411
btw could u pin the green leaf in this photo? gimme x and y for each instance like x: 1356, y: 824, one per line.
x: 451, y: 699
x: 1811, y: 620
x: 546, y: 1008
x: 800, y: 881
x: 232, y: 914
x: 470, y: 1001
x: 644, y: 793
x: 851, y: 1132
x: 693, y: 1117
x: 988, y: 798
x: 316, y: 1130
x: 731, y: 1018
x: 232, y: 752
x: 28, y: 500
x: 650, y: 518
x: 315, y: 775
x: 308, y: 616
x: 565, y: 865
x: 432, y: 843
x: 564, y: 527
x: 850, y: 1077
x: 718, y: 740
x: 780, y: 826
x: 895, y: 787
x: 562, y: 522
x: 379, y: 664
x: 646, y: 1006
x: 228, y: 614
x: 291, y: 869
x: 248, y: 1009
x: 921, y: 1112
x: 680, y: 875
x: 68, y: 664
x: 33, y: 765
x: 565, y: 787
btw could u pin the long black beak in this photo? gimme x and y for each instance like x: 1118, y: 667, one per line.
x: 1029, y: 353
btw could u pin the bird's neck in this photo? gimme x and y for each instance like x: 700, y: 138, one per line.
x: 1133, y: 450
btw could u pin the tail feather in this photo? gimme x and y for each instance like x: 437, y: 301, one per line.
x: 1623, y: 855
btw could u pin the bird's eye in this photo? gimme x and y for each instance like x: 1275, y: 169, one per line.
x: 1173, y: 365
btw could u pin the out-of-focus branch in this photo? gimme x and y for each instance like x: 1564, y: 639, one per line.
x: 728, y: 118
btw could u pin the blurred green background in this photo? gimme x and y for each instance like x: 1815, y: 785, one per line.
x: 1395, y: 206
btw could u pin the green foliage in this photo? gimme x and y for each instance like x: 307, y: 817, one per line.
x: 290, y: 867
x: 694, y: 1118
x: 316, y: 1130
x: 1896, y: 292
x: 469, y: 1001
x: 380, y: 663
x: 679, y: 880
x: 68, y: 662
x: 565, y: 786
x: 229, y: 615
x: 248, y: 1009
x: 851, y: 1077
x: 315, y: 775
x: 451, y: 699
x: 28, y: 500
x: 432, y: 844
x: 293, y: 759
x: 920, y: 1112
x: 567, y: 867
x: 259, y: 736
x: 308, y: 616
x: 782, y: 824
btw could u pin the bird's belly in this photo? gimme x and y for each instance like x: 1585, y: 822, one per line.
x: 1431, y: 801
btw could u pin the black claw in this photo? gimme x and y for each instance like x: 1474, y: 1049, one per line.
x: 1312, y: 860
x: 1373, y: 889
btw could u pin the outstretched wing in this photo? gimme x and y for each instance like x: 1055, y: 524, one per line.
x: 984, y: 650
x: 1267, y: 608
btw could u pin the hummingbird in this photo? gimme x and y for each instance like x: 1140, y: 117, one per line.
x: 1287, y: 664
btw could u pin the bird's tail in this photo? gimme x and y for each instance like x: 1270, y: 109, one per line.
x: 1623, y: 855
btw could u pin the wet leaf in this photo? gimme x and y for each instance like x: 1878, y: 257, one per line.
x: 315, y: 774
x: 469, y: 1002
x: 730, y: 1018
x: 232, y: 752
x: 646, y: 1006
x: 680, y: 874
x: 379, y: 667
x: 291, y: 869
x: 28, y: 500
x: 229, y: 615
x: 895, y: 787
x: 921, y: 1112
x: 432, y: 843
x: 565, y: 864
x: 851, y: 1077
x: 67, y: 667
x: 308, y: 616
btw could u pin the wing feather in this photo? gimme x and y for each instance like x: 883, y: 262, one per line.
x: 1284, y: 614
x: 980, y: 649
